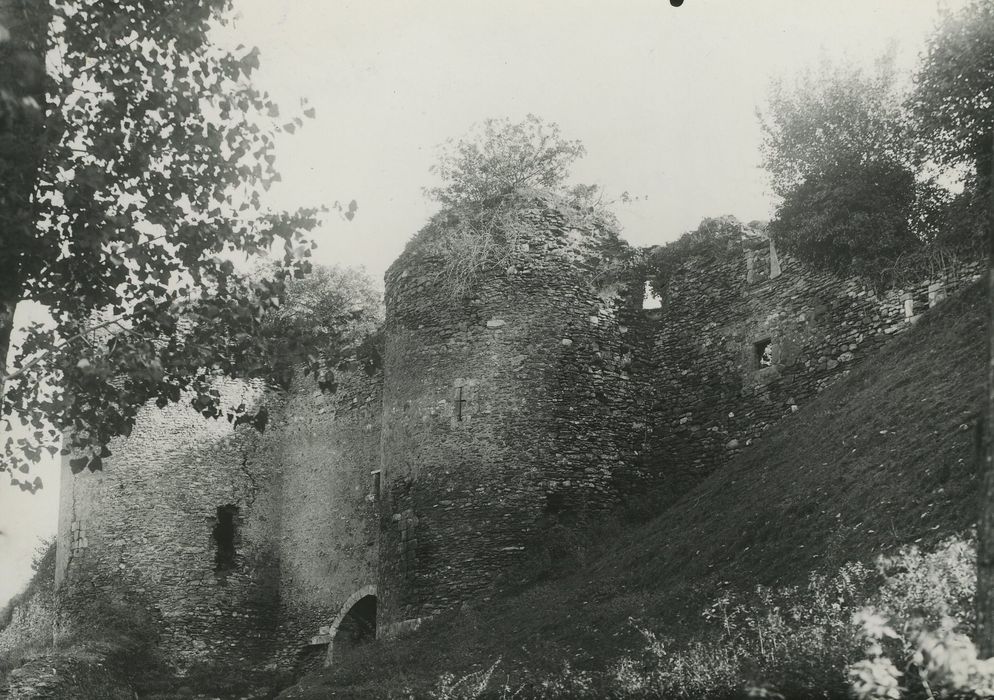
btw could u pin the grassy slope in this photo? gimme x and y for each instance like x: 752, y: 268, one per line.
x: 882, y: 458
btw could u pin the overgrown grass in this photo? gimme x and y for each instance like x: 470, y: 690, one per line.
x: 832, y: 638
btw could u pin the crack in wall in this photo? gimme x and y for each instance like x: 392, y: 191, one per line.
x: 254, y: 490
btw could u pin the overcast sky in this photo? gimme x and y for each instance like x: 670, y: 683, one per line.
x: 663, y: 98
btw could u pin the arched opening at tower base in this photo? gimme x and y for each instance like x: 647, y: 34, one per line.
x: 358, y: 626
x: 355, y: 624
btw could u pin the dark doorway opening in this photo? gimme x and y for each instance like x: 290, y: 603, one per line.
x: 358, y: 626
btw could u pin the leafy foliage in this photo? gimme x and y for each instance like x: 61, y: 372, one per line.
x: 484, y: 175
x: 713, y: 235
x: 849, y: 218
x: 834, y: 117
x: 952, y: 106
x: 860, y: 168
x: 851, y: 159
x: 145, y: 187
x: 835, y: 147
x: 920, y: 619
x: 500, y: 156
x: 330, y: 316
x: 953, y: 99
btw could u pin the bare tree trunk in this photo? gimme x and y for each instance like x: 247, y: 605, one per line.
x: 6, y: 327
x: 985, y: 457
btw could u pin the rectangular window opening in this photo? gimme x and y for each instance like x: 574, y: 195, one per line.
x: 224, y: 536
x: 763, y: 352
x: 376, y: 485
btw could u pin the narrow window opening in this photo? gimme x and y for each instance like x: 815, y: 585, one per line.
x: 460, y: 402
x: 763, y: 353
x: 376, y: 484
x: 651, y: 300
x: 224, y: 536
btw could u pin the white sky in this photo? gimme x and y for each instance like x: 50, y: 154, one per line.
x: 663, y: 98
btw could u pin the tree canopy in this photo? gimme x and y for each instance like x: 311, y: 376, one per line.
x: 835, y: 114
x: 952, y: 110
x: 141, y: 188
x: 835, y: 148
x: 849, y: 218
x: 864, y: 169
x: 499, y: 156
x: 953, y: 99
x: 479, y: 175
x: 330, y: 317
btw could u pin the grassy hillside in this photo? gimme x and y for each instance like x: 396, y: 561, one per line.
x: 882, y: 458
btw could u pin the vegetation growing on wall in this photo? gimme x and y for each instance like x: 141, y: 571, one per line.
x: 29, y: 633
x: 835, y: 146
x: 483, y: 173
x: 43, y: 565
x: 499, y: 157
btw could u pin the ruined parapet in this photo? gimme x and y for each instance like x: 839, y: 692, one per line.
x: 746, y: 336
x: 503, y: 402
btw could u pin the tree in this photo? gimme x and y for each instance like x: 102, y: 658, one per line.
x: 849, y: 218
x: 123, y: 216
x: 480, y: 175
x: 331, y: 317
x: 952, y: 107
x: 835, y: 148
x: 499, y: 157
x: 953, y: 103
x: 839, y: 114
x: 953, y: 98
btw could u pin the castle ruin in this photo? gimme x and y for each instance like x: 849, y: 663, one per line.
x: 547, y: 390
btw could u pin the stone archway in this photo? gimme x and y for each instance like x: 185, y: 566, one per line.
x: 355, y: 623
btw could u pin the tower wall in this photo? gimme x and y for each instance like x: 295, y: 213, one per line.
x: 500, y: 407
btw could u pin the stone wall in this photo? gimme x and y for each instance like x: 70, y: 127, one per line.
x: 140, y: 535
x: 700, y: 356
x: 328, y: 533
x: 500, y: 407
x: 31, y: 625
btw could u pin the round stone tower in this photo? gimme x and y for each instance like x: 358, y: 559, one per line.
x: 506, y: 399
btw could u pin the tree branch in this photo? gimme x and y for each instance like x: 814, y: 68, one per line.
x: 38, y: 358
